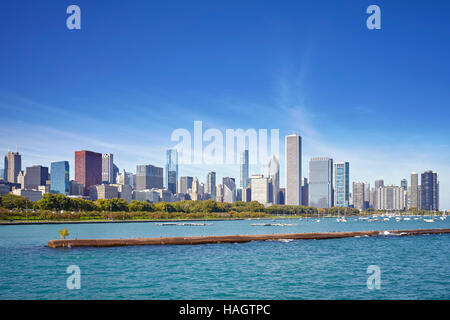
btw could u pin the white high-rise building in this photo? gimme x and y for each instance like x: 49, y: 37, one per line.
x: 260, y: 188
x: 195, y: 189
x: 229, y: 190
x: 391, y: 198
x: 108, y: 168
x: 293, y: 150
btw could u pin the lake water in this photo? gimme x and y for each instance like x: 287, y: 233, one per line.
x: 415, y: 267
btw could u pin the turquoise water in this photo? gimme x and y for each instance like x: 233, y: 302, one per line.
x: 415, y: 267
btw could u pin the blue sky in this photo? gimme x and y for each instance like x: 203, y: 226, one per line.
x: 137, y: 70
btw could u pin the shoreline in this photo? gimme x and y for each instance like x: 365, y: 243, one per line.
x: 102, y: 243
x: 93, y: 221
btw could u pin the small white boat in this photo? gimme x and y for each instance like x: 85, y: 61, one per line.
x: 386, y: 219
x: 318, y: 220
x: 407, y: 219
x: 428, y: 220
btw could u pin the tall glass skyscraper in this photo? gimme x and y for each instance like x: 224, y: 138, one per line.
x: 274, y: 176
x: 171, y: 173
x: 321, y: 182
x: 245, y: 182
x: 59, y: 177
x: 211, y: 184
x: 429, y: 191
x: 341, y: 184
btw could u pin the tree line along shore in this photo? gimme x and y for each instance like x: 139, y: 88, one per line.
x: 57, y: 207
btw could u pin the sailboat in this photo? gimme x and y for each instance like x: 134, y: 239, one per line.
x: 341, y: 219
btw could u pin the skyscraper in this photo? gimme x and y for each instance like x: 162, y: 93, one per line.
x: 35, y: 176
x: 229, y: 190
x: 378, y: 184
x: 274, y: 176
x: 341, y: 184
x: 108, y: 168
x: 260, y: 189
x: 366, y: 195
x: 171, y: 172
x: 148, y: 177
x: 185, y: 184
x: 88, y: 169
x: 321, y: 182
x: 211, y: 184
x: 123, y: 178
x: 391, y: 198
x: 60, y: 182
x: 359, y: 190
x: 293, y: 149
x: 195, y: 189
x: 12, y: 167
x: 244, y: 169
x: 305, y: 192
x: 115, y: 173
x: 414, y: 191
x: 429, y: 182
x: 404, y: 184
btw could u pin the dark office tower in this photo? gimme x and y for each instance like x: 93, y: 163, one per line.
x: 12, y: 167
x: 148, y: 176
x: 282, y: 195
x: 245, y: 182
x: 305, y: 192
x: 429, y: 191
x: 60, y: 182
x: 171, y: 172
x: 404, y: 184
x: 185, y: 184
x: 35, y: 176
x: 88, y: 169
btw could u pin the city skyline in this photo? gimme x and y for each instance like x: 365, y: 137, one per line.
x: 323, y: 188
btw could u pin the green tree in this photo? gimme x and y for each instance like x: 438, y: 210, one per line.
x: 11, y: 201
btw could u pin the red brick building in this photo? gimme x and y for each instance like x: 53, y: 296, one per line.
x: 88, y: 169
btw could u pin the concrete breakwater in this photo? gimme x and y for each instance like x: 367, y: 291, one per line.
x: 234, y: 238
